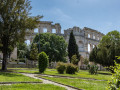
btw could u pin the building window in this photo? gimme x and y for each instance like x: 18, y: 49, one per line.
x: 36, y: 30
x: 88, y: 47
x: 88, y: 35
x: 93, y: 36
x: 44, y: 30
x: 53, y: 30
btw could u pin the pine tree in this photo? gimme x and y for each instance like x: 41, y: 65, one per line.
x: 72, y: 47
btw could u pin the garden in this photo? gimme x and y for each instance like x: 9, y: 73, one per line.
x: 46, y: 48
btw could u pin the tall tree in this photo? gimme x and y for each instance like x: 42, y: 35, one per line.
x: 73, y: 47
x: 53, y: 45
x: 108, y: 49
x: 14, y: 21
x: 93, y: 55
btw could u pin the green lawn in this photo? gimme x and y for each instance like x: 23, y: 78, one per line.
x: 31, y: 87
x: 82, y: 73
x: 81, y: 84
x: 15, y: 77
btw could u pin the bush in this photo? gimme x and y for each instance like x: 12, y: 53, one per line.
x: 114, y: 84
x: 43, y: 61
x: 74, y: 60
x: 86, y: 61
x: 71, y: 69
x: 61, y: 67
x: 93, y: 69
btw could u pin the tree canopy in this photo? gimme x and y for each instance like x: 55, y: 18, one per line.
x: 53, y: 45
x: 73, y: 47
x: 107, y: 50
x: 22, y: 50
x: 14, y: 21
x: 34, y: 52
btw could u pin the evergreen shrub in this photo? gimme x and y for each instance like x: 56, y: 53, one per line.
x: 43, y: 61
x: 93, y: 69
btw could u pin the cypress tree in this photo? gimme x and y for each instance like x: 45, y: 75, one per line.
x: 72, y: 47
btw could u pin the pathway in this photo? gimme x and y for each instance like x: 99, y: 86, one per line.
x: 48, y: 82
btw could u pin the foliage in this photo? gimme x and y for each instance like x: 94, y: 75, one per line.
x: 34, y: 52
x: 14, y: 21
x: 61, y: 67
x: 71, y: 69
x: 93, y: 69
x: 86, y: 61
x: 93, y: 54
x: 22, y: 50
x: 108, y: 48
x: 74, y: 60
x: 114, y: 84
x: 43, y: 61
x: 72, y: 47
x: 53, y: 45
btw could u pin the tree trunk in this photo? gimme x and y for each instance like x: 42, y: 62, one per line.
x: 5, y: 53
x: 4, y: 62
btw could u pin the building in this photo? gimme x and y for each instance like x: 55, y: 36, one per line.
x: 86, y: 38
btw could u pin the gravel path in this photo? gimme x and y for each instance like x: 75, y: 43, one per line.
x: 47, y: 81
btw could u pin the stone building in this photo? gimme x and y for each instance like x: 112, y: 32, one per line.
x: 86, y: 38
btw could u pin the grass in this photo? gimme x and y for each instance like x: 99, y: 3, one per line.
x: 81, y: 84
x: 31, y: 87
x: 102, y: 75
x: 15, y: 77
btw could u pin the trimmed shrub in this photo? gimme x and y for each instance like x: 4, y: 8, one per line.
x: 71, y: 69
x: 74, y: 60
x: 61, y: 67
x: 93, y: 69
x: 43, y: 61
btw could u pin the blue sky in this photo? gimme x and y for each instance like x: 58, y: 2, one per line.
x: 101, y: 15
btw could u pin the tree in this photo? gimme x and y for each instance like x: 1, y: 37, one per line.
x: 22, y: 50
x: 93, y: 55
x: 107, y: 50
x: 34, y: 52
x: 14, y: 21
x: 43, y: 61
x: 86, y: 61
x: 72, y: 47
x: 74, y: 60
x: 53, y: 45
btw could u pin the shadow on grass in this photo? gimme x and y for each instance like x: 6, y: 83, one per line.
x: 105, y: 73
x: 9, y: 74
